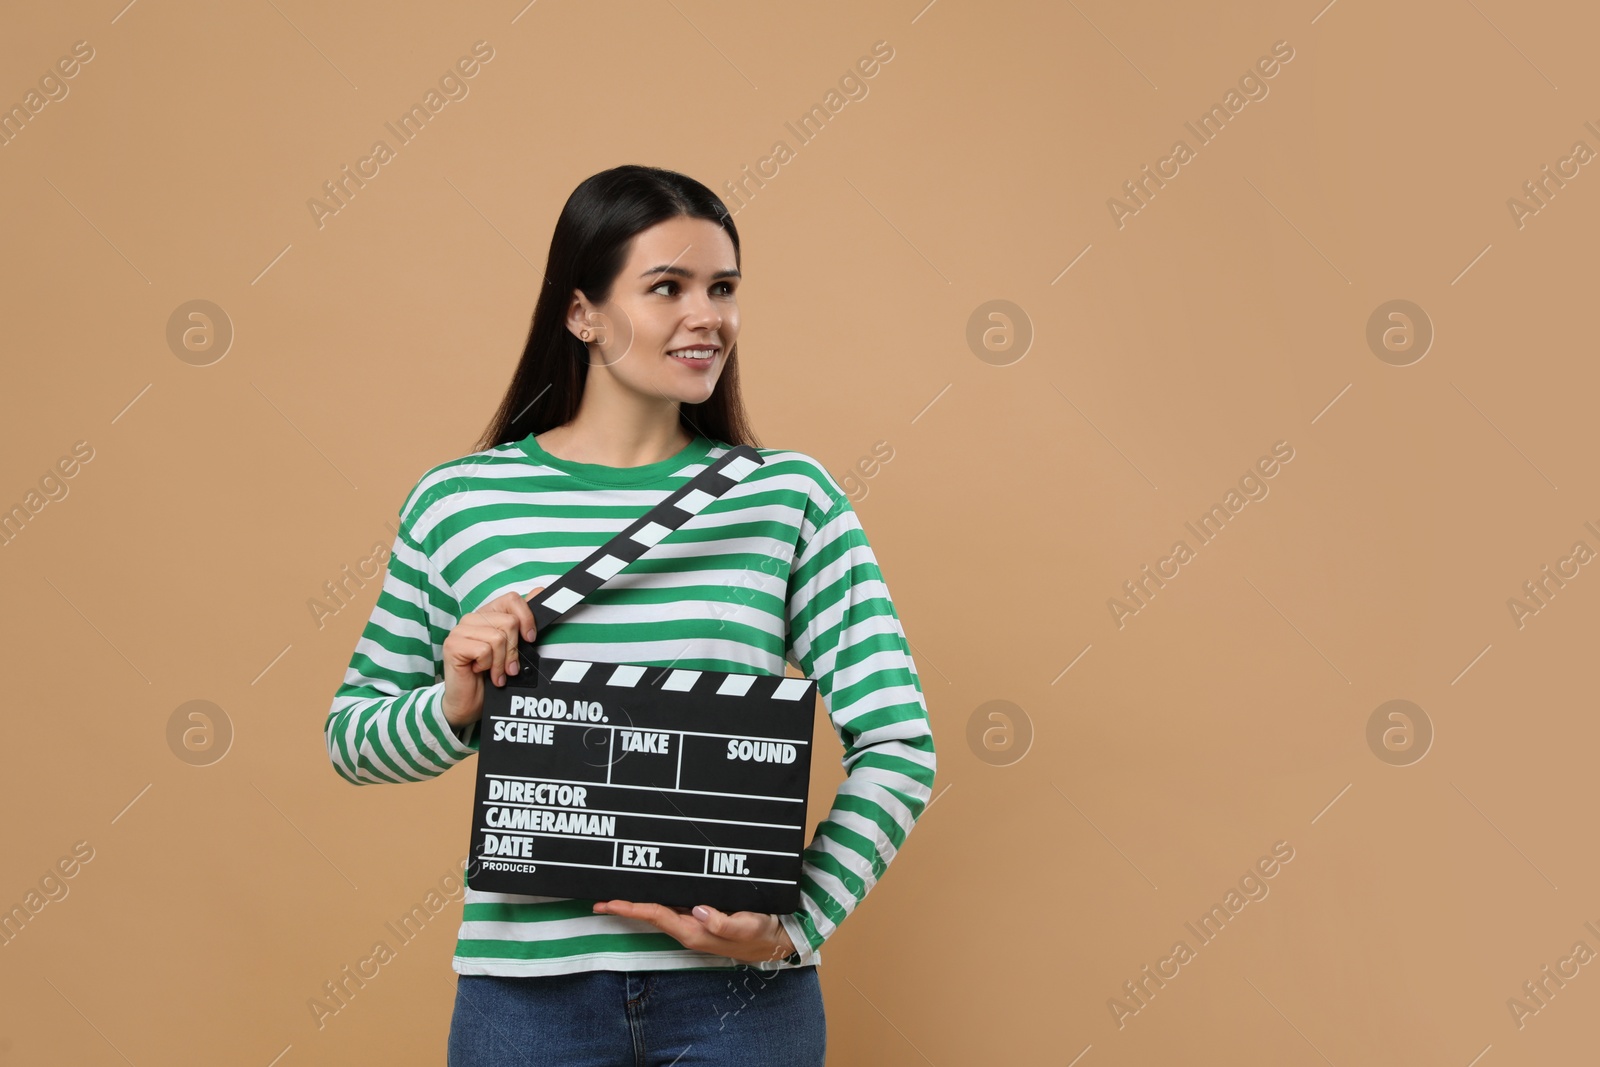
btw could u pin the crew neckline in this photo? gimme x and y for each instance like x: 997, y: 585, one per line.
x: 601, y: 474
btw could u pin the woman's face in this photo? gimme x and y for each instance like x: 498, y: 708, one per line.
x: 673, y: 313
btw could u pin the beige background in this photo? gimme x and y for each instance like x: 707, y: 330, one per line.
x: 1228, y: 314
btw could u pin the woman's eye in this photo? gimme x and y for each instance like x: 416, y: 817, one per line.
x: 722, y: 288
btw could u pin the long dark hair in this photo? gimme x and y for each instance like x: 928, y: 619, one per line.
x: 587, y: 252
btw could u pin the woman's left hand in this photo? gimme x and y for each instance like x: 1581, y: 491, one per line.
x: 751, y: 936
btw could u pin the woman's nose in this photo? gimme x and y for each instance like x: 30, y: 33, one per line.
x: 703, y: 311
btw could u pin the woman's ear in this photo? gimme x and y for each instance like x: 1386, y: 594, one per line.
x: 581, y: 317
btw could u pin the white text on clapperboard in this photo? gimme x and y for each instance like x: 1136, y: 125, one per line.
x: 579, y: 823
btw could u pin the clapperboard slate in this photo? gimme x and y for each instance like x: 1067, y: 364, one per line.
x: 615, y: 781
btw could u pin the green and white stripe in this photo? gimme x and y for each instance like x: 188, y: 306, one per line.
x: 782, y: 553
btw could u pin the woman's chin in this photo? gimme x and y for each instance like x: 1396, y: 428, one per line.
x: 691, y: 392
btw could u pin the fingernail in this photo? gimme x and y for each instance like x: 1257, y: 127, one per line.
x: 512, y: 667
x: 702, y: 913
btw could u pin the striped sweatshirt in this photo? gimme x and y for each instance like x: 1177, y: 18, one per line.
x: 777, y: 570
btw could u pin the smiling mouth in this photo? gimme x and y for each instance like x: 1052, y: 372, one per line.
x: 694, y: 355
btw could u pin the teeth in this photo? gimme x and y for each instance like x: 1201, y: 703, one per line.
x: 684, y: 353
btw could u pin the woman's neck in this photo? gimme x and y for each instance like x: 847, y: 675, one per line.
x: 590, y: 438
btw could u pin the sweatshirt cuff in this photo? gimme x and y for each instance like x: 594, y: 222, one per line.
x: 804, y: 954
x: 456, y: 741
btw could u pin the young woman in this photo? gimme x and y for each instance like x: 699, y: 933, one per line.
x: 629, y: 386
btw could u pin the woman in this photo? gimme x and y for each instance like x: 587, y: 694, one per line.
x: 628, y: 386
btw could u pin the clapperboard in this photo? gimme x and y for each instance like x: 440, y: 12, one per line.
x: 616, y: 781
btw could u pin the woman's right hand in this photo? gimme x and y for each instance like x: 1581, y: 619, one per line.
x: 484, y: 640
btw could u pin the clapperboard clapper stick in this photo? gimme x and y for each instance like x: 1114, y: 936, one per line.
x: 618, y: 781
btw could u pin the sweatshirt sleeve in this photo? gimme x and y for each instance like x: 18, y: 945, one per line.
x: 844, y: 632
x: 387, y: 722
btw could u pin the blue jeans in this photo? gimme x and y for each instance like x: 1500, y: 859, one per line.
x: 710, y: 1018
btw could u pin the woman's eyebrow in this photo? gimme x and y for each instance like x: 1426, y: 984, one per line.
x: 687, y: 273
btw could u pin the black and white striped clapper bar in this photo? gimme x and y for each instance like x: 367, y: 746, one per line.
x: 615, y: 781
